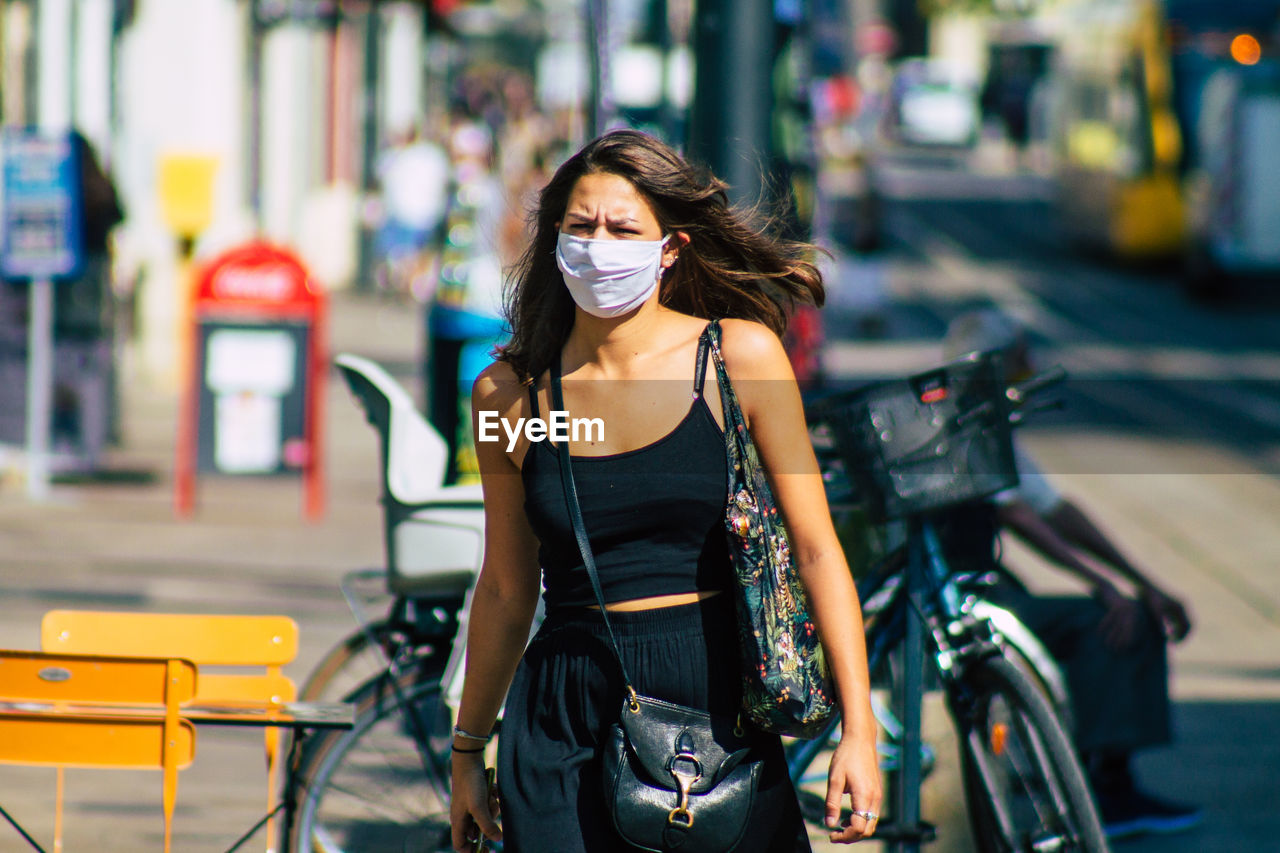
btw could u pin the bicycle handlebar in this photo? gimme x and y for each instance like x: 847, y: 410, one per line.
x: 1019, y: 392
x: 1017, y: 395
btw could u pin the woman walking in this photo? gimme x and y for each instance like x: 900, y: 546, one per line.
x: 633, y: 252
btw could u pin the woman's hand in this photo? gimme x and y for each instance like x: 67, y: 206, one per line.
x: 855, y: 770
x: 474, y: 805
x: 1169, y: 611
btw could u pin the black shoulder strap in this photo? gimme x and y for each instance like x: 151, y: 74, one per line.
x: 533, y: 398
x: 700, y: 366
x: 579, y: 526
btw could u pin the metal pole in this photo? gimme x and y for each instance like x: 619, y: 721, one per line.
x: 599, y: 111
x: 39, y: 385
x: 31, y: 68
x: 254, y: 70
x: 6, y: 97
x: 906, y: 790
x: 666, y: 111
x: 733, y: 95
x: 73, y: 82
x: 369, y: 143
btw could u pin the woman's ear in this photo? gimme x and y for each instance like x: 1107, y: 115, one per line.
x: 672, y: 250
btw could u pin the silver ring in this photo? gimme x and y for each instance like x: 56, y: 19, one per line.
x: 867, y: 816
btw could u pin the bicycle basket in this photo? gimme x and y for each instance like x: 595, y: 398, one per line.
x: 930, y: 441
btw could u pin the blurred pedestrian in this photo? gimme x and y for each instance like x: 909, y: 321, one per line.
x: 84, y: 396
x: 632, y: 252
x: 1110, y: 644
x: 414, y: 176
x: 1007, y: 91
x: 83, y: 305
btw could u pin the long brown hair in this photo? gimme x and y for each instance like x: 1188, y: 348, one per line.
x: 731, y: 267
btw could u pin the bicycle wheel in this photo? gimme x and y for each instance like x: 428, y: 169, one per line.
x: 362, y: 656
x: 1023, y: 782
x: 384, y: 784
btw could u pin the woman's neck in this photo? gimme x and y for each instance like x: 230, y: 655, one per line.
x: 614, y: 345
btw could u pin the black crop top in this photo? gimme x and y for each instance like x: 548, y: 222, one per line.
x: 654, y: 515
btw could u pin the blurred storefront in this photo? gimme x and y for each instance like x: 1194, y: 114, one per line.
x: 287, y: 105
x: 269, y: 95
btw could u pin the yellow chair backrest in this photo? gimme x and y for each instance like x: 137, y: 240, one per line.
x: 217, y: 640
x: 103, y: 712
x: 264, y: 643
x: 27, y: 676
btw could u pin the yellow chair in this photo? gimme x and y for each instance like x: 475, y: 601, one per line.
x: 264, y: 643
x: 104, y: 712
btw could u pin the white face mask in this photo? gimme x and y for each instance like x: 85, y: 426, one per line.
x: 609, y: 277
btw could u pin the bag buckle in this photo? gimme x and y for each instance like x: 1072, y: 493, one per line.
x: 687, y: 770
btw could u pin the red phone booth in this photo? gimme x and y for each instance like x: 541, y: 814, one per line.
x: 252, y: 400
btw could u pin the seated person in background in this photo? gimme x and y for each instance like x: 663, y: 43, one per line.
x: 1111, y: 645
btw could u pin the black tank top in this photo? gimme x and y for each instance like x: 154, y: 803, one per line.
x: 654, y: 515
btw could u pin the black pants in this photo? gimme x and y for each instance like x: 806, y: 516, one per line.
x: 568, y: 690
x: 1120, y: 699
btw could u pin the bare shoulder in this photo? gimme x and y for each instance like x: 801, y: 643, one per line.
x: 498, y: 389
x: 752, y: 350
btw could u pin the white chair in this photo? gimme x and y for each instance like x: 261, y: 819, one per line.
x: 433, y: 533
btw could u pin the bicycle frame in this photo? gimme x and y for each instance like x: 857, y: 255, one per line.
x: 919, y: 604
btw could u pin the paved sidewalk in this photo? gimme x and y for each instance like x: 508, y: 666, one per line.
x: 116, y: 544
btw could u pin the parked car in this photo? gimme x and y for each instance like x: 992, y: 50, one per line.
x: 934, y: 104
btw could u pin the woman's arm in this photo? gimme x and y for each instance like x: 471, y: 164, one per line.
x: 502, y: 605
x: 770, y: 400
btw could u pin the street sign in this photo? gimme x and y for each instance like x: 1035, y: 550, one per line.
x: 186, y: 192
x: 41, y: 204
x: 43, y: 240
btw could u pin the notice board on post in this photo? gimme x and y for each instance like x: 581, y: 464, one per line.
x: 252, y: 404
x: 42, y: 222
x: 253, y: 397
x: 41, y: 238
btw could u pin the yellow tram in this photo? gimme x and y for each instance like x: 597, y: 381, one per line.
x: 1115, y: 132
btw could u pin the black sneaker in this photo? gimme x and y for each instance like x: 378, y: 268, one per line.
x: 1134, y: 813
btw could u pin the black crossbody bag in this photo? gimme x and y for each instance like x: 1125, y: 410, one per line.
x: 674, y: 777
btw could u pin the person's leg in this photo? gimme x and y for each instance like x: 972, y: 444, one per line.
x: 1120, y: 700
x: 549, y: 775
x: 1126, y: 809
x: 1119, y: 697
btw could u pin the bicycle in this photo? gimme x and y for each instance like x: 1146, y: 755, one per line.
x: 915, y: 448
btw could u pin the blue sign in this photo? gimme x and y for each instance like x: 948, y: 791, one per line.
x: 41, y: 206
